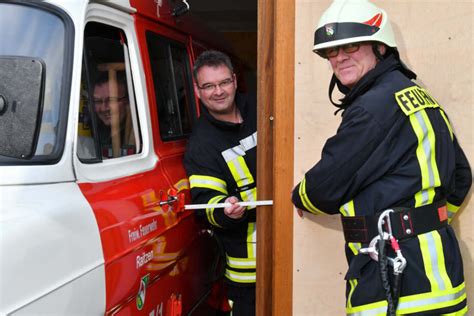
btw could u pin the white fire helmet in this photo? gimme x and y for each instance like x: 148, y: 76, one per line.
x: 352, y: 21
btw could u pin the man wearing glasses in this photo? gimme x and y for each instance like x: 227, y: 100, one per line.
x: 109, y: 107
x: 220, y: 161
x: 394, y: 171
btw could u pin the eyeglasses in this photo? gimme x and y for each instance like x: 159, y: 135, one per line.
x: 209, y: 87
x: 332, y: 52
x: 102, y: 101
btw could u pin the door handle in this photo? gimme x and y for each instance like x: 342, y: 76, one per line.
x: 174, y: 200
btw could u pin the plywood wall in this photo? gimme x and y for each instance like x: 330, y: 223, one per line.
x: 436, y: 41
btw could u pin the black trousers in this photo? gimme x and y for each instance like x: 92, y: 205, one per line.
x: 243, y: 298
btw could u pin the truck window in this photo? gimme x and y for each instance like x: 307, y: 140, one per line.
x: 173, y: 86
x: 42, y: 32
x: 108, y: 121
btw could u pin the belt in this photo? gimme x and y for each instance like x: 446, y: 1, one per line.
x: 405, y: 222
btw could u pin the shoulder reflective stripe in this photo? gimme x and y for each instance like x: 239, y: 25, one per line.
x: 433, y: 260
x: 240, y: 172
x: 208, y: 182
x: 413, y: 99
x: 447, y: 124
x: 425, y: 153
x: 241, y: 277
x: 353, y: 285
x: 233, y: 153
x: 251, y: 240
x: 234, y: 158
x: 210, y: 211
x: 305, y: 200
x: 452, y: 210
x: 249, y: 142
x: 414, y: 303
x: 241, y: 263
x: 238, y: 151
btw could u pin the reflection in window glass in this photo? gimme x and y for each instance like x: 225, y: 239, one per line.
x: 173, y: 86
x: 108, y: 124
x: 33, y: 32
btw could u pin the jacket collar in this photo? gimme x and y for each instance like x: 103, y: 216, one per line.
x: 386, y: 65
x: 242, y: 106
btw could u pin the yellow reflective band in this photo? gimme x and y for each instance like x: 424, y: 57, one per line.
x: 458, y: 313
x: 354, y: 247
x: 432, y: 147
x: 238, y: 151
x: 240, y: 172
x: 348, y: 209
x: 425, y: 153
x: 424, y: 197
x: 242, y: 176
x: 241, y: 277
x: 433, y: 300
x: 210, y: 211
x: 251, y: 240
x: 305, y: 200
x: 249, y: 142
x: 249, y: 196
x: 208, y: 182
x: 353, y: 284
x: 447, y: 123
x: 241, y: 263
x: 378, y: 308
x: 414, y: 99
x: 433, y: 260
x: 414, y: 303
x: 452, y: 210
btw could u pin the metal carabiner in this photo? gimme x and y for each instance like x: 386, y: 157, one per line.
x: 372, y: 249
x: 385, y: 215
x: 399, y: 262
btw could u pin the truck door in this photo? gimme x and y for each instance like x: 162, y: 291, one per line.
x: 128, y: 156
x: 167, y: 63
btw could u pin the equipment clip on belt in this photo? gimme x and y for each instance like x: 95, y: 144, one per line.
x: 376, y: 251
x: 399, y: 262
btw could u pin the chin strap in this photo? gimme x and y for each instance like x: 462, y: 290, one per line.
x: 332, y: 84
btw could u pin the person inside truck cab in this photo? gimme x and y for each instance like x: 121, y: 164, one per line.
x: 111, y: 105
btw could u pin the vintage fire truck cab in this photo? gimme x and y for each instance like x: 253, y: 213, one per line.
x: 96, y: 105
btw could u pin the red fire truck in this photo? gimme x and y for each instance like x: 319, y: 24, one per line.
x: 89, y: 179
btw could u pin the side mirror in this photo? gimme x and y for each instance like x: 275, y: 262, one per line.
x: 21, y: 105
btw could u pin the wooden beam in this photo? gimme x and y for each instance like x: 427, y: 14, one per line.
x: 276, y: 20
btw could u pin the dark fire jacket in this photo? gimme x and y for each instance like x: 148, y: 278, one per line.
x: 394, y: 147
x: 220, y: 161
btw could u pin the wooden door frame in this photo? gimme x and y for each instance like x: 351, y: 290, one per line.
x: 275, y: 95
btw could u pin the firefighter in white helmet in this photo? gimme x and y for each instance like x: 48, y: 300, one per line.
x: 394, y: 171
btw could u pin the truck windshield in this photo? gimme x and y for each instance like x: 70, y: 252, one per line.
x: 40, y: 31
